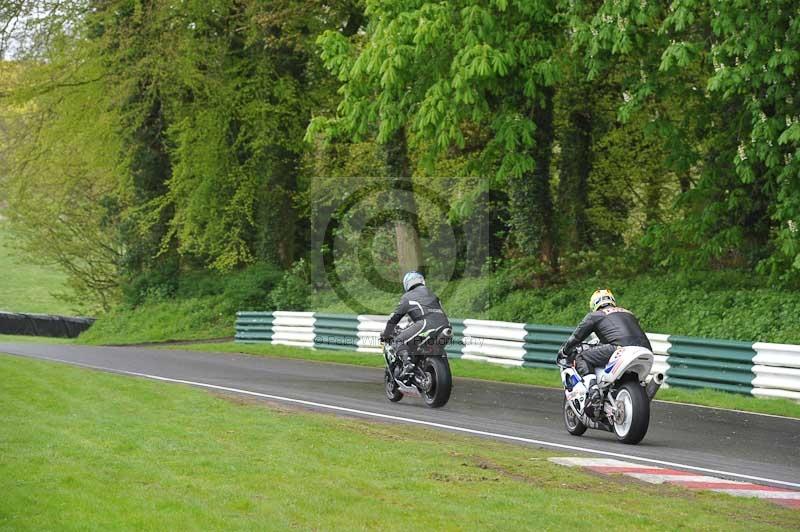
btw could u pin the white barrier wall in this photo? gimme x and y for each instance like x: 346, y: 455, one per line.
x: 660, y: 344
x: 499, y: 342
x: 293, y: 328
x: 777, y: 370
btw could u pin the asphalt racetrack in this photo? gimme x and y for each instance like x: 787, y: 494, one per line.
x: 730, y: 444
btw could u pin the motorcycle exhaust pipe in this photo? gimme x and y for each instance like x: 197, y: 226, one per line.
x: 653, y: 385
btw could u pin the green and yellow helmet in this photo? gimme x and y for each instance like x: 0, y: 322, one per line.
x: 601, y: 298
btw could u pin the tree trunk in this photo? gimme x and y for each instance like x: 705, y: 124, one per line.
x: 530, y: 199
x: 409, y: 248
x: 575, y: 167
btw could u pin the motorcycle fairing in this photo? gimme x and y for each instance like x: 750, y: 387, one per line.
x: 630, y: 359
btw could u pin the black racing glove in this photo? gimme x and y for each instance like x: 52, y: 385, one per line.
x: 384, y: 339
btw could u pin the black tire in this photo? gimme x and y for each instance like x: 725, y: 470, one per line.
x: 393, y: 393
x: 634, y: 425
x: 574, y: 425
x: 441, y: 381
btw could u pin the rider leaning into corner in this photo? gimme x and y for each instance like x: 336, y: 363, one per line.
x: 614, y: 326
x: 426, y: 313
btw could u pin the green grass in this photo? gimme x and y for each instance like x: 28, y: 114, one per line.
x: 88, y: 450
x: 201, y: 305
x: 20, y: 339
x: 27, y: 287
x: 180, y: 319
x: 491, y: 372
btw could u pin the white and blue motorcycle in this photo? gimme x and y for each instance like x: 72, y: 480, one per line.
x: 626, y: 389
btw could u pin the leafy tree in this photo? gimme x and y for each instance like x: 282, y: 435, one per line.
x: 442, y: 68
x: 730, y: 69
x: 59, y: 175
x: 192, y: 155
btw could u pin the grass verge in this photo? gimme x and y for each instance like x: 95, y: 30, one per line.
x: 531, y: 376
x: 180, y: 319
x: 89, y: 450
x: 22, y: 339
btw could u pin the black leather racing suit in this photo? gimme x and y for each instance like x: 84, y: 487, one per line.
x: 615, y: 327
x: 424, y: 310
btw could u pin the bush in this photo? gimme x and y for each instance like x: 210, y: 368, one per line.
x: 476, y: 296
x: 158, y: 283
x: 251, y: 288
x: 294, y: 290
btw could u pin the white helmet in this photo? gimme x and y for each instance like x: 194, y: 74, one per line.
x: 601, y: 298
x: 412, y: 279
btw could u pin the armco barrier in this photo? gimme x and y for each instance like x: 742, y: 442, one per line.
x: 704, y: 363
x: 762, y: 369
x: 456, y: 346
x: 254, y: 327
x: 542, y: 343
x: 336, y: 331
x: 43, y: 325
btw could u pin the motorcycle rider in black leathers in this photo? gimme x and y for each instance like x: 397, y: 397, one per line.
x: 614, y: 326
x: 427, y: 315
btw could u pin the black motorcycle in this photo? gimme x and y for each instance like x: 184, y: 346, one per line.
x: 431, y: 378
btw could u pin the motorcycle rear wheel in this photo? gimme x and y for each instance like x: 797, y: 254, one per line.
x: 437, y: 370
x: 572, y: 422
x: 632, y: 401
x: 393, y: 392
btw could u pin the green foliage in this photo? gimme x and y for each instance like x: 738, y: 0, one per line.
x: 153, y: 138
x: 163, y: 320
x: 157, y: 283
x: 200, y: 305
x: 733, y: 67
x: 726, y: 304
x: 239, y: 136
x: 293, y: 290
x: 59, y: 175
x: 723, y: 304
x: 141, y: 142
x: 440, y: 68
x: 476, y: 296
x: 709, y: 304
x: 249, y: 286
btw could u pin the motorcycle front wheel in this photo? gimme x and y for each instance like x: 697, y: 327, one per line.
x: 631, y: 413
x: 393, y: 393
x: 439, y: 381
x: 572, y: 421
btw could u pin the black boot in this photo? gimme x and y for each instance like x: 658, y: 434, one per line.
x: 408, y: 367
x: 593, y: 401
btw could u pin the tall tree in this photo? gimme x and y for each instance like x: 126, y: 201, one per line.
x: 442, y: 68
